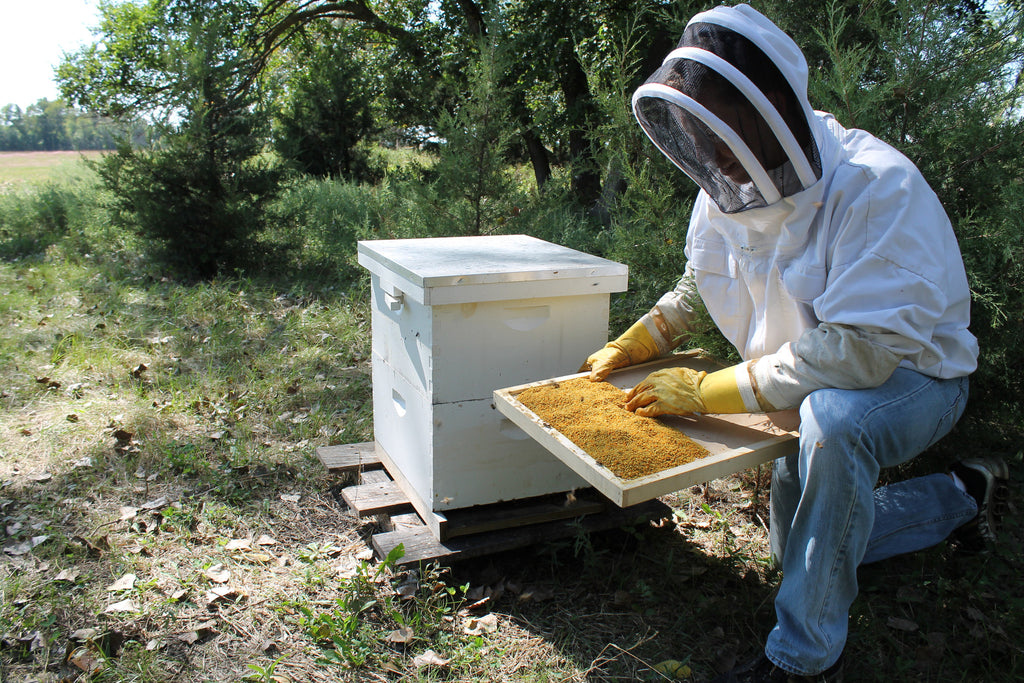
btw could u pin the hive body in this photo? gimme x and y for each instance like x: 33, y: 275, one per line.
x: 454, y: 319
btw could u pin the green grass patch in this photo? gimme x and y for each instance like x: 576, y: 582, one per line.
x: 20, y: 168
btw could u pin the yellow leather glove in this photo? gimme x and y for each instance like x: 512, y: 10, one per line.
x: 634, y: 346
x: 681, y: 391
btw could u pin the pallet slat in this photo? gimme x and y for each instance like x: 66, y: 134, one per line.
x: 349, y: 457
x: 374, y: 476
x: 374, y: 499
x: 420, y: 545
x: 521, y: 513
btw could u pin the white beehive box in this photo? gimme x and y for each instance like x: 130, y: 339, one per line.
x: 455, y: 318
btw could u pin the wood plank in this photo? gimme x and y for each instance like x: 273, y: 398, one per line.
x: 483, y: 518
x: 437, y: 522
x: 375, y: 499
x: 349, y: 457
x: 408, y: 520
x: 380, y: 476
x: 420, y: 545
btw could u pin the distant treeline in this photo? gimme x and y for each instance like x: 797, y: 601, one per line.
x: 53, y: 125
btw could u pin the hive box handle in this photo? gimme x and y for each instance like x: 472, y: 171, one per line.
x: 394, y: 299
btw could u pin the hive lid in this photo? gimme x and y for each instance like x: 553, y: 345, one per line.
x: 490, y: 267
x: 734, y: 442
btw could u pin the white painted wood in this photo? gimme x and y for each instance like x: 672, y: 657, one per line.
x: 454, y: 352
x: 734, y: 442
x: 461, y: 453
x: 454, y: 319
x: 451, y: 270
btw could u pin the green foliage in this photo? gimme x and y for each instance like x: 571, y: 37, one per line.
x: 37, y: 217
x: 374, y: 603
x: 471, y: 177
x: 48, y: 126
x: 941, y: 82
x: 326, y: 110
x: 199, y: 198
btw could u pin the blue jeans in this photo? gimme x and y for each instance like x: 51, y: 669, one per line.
x: 827, y: 518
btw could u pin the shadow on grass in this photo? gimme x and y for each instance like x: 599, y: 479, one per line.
x: 622, y: 601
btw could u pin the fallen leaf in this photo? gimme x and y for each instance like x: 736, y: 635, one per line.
x: 177, y: 595
x: 123, y: 606
x: 125, y: 583
x: 265, y: 540
x: 83, y: 463
x: 122, y: 436
x: 393, y: 667
x: 218, y: 574
x: 85, y: 659
x: 485, y: 624
x: 290, y: 498
x: 128, y: 513
x: 429, y: 658
x: 402, y: 636
x: 221, y: 594
x: 203, y: 632
x: 32, y: 641
x: 94, y: 547
x: 537, y: 594
x: 902, y: 624
x: 41, y: 477
x: 261, y: 558
x: 157, y: 504
x: 238, y: 544
x: 69, y: 575
x: 154, y: 644
x: 84, y: 634
x: 25, y: 547
x: 673, y: 669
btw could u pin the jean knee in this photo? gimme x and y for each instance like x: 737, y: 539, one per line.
x: 828, y: 416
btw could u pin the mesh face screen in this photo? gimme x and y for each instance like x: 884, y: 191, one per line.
x: 703, y: 153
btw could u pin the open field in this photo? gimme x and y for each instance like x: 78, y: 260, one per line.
x: 17, y: 168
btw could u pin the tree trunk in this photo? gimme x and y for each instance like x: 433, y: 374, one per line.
x: 538, y: 158
x: 579, y: 103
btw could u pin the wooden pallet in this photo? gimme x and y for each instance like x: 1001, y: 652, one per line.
x: 477, y: 531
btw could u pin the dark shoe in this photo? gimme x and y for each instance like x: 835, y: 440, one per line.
x: 762, y: 670
x: 985, y: 479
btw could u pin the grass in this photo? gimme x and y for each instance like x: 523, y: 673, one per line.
x: 166, y: 431
x: 20, y: 168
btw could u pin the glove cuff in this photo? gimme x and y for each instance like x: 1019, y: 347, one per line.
x: 720, y: 391
x: 637, y: 343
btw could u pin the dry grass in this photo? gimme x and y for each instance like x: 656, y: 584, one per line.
x: 22, y: 168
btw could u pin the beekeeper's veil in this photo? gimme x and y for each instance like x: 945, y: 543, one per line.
x: 729, y: 107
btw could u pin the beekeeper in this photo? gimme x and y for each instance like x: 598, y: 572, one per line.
x: 822, y: 254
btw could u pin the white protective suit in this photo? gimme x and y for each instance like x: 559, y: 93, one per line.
x: 835, y: 285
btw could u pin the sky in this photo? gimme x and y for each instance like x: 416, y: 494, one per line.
x: 33, y: 36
